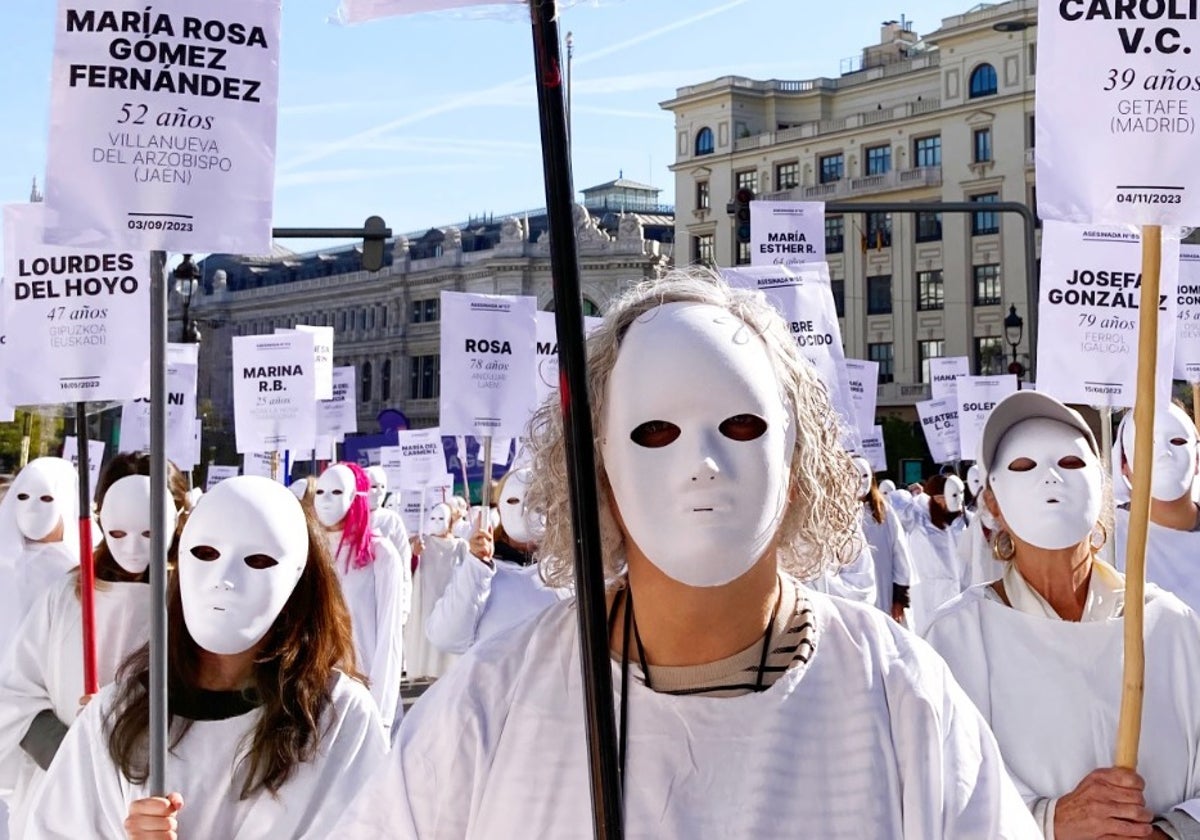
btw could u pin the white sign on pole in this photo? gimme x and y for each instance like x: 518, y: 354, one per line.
x: 421, y: 457
x: 162, y: 125
x: 181, y: 416
x: 803, y: 296
x: 488, y: 362
x: 415, y: 502
x: 873, y: 449
x: 322, y: 357
x: 1118, y: 144
x: 977, y: 396
x: 939, y: 422
x: 1088, y: 313
x: 95, y: 458
x: 547, y: 352
x: 357, y: 11
x: 1187, y: 326
x: 218, y: 473
x: 189, y: 464
x: 259, y: 463
x: 75, y: 319
x: 338, y: 416
x: 944, y: 372
x: 274, y: 406
x: 863, y: 378
x: 787, y: 232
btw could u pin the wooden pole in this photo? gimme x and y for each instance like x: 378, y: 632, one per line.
x: 1129, y: 728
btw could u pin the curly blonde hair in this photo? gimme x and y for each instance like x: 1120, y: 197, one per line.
x: 819, y: 527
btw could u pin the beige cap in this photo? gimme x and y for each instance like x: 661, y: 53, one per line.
x: 1026, y: 405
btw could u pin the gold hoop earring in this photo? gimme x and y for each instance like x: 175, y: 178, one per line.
x: 1103, y: 537
x: 1003, y: 547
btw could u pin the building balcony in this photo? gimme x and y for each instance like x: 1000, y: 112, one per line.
x: 901, y: 393
x: 898, y: 179
x: 850, y: 122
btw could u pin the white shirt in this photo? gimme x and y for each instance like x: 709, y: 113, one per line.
x: 890, y: 552
x: 85, y: 795
x: 390, y: 525
x: 872, y: 739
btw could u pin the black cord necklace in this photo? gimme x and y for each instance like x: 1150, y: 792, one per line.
x: 625, y: 596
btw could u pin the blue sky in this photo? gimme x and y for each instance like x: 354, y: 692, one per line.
x: 427, y: 120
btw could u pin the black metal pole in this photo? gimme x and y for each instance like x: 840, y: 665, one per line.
x: 600, y: 717
x: 159, y: 540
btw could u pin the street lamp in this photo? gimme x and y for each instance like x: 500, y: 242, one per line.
x: 1014, y: 328
x: 187, y: 280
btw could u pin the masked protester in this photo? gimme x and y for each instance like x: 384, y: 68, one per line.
x: 934, y: 522
x: 438, y: 550
x: 1040, y: 650
x: 41, y: 684
x: 270, y: 731
x: 975, y: 543
x: 750, y: 706
x: 888, y: 544
x: 1173, y: 541
x: 376, y: 583
x: 494, y: 584
x: 387, y: 523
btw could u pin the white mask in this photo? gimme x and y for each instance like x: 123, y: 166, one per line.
x: 952, y: 494
x: 1174, y: 453
x: 519, y: 524
x: 975, y: 479
x: 437, y: 521
x: 1055, y: 502
x: 125, y: 520
x: 697, y: 442
x: 865, y: 475
x: 335, y: 493
x: 887, y: 486
x: 379, y: 486
x: 299, y: 487
x: 241, y: 553
x: 44, y: 491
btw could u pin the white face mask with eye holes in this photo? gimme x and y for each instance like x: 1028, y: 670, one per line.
x: 241, y: 554
x: 41, y: 499
x: 697, y: 443
x: 1174, y: 469
x: 335, y: 494
x: 520, y: 524
x: 125, y: 520
x: 1047, y: 483
x: 952, y: 494
x: 379, y: 485
x: 865, y: 475
x: 975, y: 479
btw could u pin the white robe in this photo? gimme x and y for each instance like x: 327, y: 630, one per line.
x: 935, y: 557
x: 854, y: 581
x: 378, y: 597
x: 389, y: 525
x: 481, y: 601
x: 41, y: 566
x: 422, y: 658
x: 975, y: 552
x: 85, y: 795
x: 1051, y: 690
x: 44, y: 671
x: 890, y: 553
x: 873, y: 740
x: 1172, y: 558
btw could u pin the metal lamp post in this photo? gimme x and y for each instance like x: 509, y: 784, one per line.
x: 1014, y: 329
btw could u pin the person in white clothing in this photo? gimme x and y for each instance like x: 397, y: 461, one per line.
x: 975, y: 543
x: 934, y: 523
x: 437, y: 550
x: 750, y: 706
x: 41, y: 680
x: 888, y: 543
x: 387, y: 523
x: 376, y: 583
x: 1040, y: 651
x: 460, y: 522
x: 271, y: 733
x: 494, y: 583
x: 1173, y: 541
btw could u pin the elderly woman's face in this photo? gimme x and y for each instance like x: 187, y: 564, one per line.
x: 1047, y: 483
x: 697, y: 443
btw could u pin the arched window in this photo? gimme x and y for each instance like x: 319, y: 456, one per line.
x: 704, y: 142
x: 385, y: 381
x: 364, y: 386
x: 983, y: 81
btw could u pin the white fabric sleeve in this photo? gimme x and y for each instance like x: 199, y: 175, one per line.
x: 902, y: 563
x: 1043, y: 814
x: 855, y: 581
x: 387, y: 661
x: 82, y: 794
x: 454, y: 619
x: 23, y: 689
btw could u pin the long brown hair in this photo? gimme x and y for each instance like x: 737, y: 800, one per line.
x: 876, y: 502
x: 292, y: 678
x: 124, y: 464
